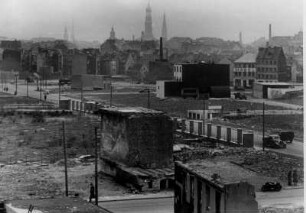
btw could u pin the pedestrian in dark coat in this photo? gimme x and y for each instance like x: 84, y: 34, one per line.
x: 92, y: 192
x: 290, y: 178
x: 295, y: 177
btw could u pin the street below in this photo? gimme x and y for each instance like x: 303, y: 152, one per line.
x: 287, y: 198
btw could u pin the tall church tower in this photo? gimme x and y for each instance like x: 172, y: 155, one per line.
x: 112, y: 34
x: 66, y: 37
x: 72, y: 33
x: 164, y: 29
x: 148, y: 33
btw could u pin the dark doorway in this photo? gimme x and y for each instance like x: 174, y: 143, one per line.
x: 170, y: 184
x: 218, y: 202
x: 163, y: 184
x: 199, y: 196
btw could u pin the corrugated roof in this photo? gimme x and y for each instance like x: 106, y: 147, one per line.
x: 247, y: 58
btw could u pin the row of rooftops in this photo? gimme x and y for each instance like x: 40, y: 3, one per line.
x: 268, y: 53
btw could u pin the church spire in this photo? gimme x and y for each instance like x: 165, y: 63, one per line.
x: 112, y: 34
x: 72, y: 32
x: 164, y: 29
x: 66, y: 37
x: 148, y: 32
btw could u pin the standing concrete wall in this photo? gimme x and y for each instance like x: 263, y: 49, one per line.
x: 143, y: 140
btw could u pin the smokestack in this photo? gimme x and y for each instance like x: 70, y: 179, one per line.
x: 161, y: 52
x: 240, y: 38
x: 270, y: 32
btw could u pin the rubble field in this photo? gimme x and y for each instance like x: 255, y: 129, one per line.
x: 31, y: 155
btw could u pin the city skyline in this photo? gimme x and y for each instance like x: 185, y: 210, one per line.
x: 197, y: 18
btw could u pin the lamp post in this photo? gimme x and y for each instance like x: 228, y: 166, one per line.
x: 27, y: 87
x: 263, y: 126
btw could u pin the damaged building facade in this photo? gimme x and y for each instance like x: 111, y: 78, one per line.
x: 199, y: 190
x: 137, y: 145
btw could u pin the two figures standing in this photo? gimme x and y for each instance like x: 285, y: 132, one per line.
x: 292, y: 178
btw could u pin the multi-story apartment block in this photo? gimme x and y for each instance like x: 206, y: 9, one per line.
x: 271, y: 65
x: 245, y: 71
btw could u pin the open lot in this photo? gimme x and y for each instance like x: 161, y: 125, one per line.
x: 31, y: 155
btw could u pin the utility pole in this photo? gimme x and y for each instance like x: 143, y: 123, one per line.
x: 148, y: 105
x: 27, y: 87
x: 96, y: 165
x: 263, y: 126
x: 59, y: 91
x: 65, y: 157
x: 16, y: 83
x: 204, y: 116
x: 40, y: 89
x: 81, y: 95
x: 111, y: 95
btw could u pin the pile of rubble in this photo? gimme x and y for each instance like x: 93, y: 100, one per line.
x: 268, y: 163
x: 262, y: 162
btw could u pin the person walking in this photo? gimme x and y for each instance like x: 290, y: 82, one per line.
x: 290, y: 178
x: 295, y: 177
x: 92, y: 192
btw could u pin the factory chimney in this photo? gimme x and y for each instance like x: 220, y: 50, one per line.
x: 161, y: 49
x: 270, y: 32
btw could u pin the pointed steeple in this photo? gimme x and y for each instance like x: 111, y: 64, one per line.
x: 148, y: 32
x: 112, y: 34
x: 72, y: 32
x: 66, y: 36
x: 164, y: 29
x: 149, y: 7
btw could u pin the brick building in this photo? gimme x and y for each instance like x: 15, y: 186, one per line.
x: 271, y: 65
x: 11, y: 60
x: 10, y: 45
x: 245, y: 71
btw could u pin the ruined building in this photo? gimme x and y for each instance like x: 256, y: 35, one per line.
x: 137, y: 147
x: 199, y: 189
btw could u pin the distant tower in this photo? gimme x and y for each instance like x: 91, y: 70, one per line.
x: 240, y: 38
x: 270, y: 32
x: 66, y: 37
x: 148, y: 33
x: 164, y: 29
x: 72, y: 32
x: 112, y: 34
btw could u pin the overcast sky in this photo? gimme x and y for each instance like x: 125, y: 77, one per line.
x: 93, y: 19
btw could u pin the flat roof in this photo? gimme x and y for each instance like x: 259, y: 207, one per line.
x: 226, y: 170
x: 54, y: 205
